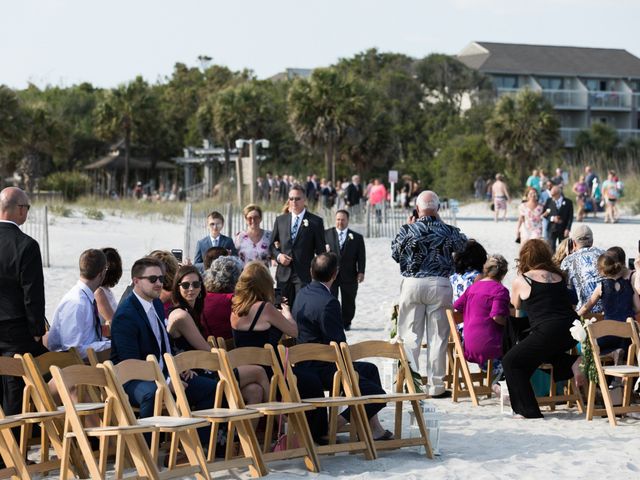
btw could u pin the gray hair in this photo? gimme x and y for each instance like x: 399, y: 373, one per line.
x: 223, y: 275
x: 496, y: 267
x: 428, y: 200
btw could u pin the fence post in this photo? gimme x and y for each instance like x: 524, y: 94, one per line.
x: 228, y: 214
x: 367, y: 222
x: 45, y: 224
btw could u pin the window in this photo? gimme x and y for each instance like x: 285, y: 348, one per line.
x: 551, y: 83
x: 505, y: 81
x: 598, y: 85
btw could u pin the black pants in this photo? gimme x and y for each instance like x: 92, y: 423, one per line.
x: 348, y: 294
x: 369, y: 384
x: 290, y: 288
x: 540, y: 346
x: 555, y: 238
x: 310, y: 386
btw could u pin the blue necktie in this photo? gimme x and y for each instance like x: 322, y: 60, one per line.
x: 341, y: 238
x: 294, y: 228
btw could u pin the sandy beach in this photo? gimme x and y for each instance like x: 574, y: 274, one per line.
x: 478, y: 443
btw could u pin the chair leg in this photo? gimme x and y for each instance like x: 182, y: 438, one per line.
x: 591, y: 400
x: 604, y: 389
x: 301, y: 426
x: 193, y: 450
x: 251, y: 449
x: 424, y: 432
x: 10, y: 452
x: 120, y: 450
x: 228, y: 452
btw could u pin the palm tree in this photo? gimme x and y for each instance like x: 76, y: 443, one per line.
x: 325, y: 110
x: 523, y: 129
x: 121, y: 113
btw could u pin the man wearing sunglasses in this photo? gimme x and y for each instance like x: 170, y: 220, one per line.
x: 139, y: 329
x: 22, y: 321
x: 296, y: 238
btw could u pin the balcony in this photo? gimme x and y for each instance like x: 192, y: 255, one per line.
x: 601, y: 100
x: 560, y: 99
x: 628, y: 134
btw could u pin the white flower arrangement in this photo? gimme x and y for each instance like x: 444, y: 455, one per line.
x: 579, y: 332
x: 350, y: 236
x: 305, y: 222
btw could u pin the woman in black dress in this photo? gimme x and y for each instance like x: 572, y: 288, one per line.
x: 541, y: 290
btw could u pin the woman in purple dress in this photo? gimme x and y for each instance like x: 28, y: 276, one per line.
x: 485, y: 308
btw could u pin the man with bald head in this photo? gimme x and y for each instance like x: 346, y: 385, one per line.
x: 22, y: 322
x: 559, y: 211
x: 424, y: 248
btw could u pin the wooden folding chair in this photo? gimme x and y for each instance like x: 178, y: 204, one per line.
x: 266, y: 357
x: 241, y: 417
x: 626, y: 372
x: 224, y: 343
x: 49, y: 430
x: 94, y: 358
x: 361, y: 439
x: 115, y: 423
x: 183, y: 430
x: 404, y: 382
x: 15, y: 466
x: 569, y: 394
x: 463, y: 380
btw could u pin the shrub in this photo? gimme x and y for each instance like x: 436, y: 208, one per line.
x: 71, y: 184
x: 94, y: 214
x: 60, y: 210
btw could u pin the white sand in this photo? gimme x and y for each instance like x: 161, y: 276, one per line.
x: 475, y: 443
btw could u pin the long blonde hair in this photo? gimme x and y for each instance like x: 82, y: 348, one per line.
x: 254, y: 285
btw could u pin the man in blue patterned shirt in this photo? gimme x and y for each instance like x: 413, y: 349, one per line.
x: 424, y: 249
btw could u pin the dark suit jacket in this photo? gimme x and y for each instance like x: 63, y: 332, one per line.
x: 318, y: 316
x: 21, y: 287
x: 352, y: 256
x: 205, y: 244
x: 309, y: 242
x: 131, y: 334
x: 353, y: 194
x: 565, y: 212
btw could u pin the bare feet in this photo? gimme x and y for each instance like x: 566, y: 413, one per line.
x: 578, y: 376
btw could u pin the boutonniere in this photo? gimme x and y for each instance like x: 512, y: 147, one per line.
x: 563, y: 203
x: 350, y: 236
x: 305, y: 222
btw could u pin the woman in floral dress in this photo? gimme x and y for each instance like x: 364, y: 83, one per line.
x: 530, y: 218
x: 253, y: 243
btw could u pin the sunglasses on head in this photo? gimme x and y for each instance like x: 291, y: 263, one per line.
x: 185, y: 285
x: 154, y: 278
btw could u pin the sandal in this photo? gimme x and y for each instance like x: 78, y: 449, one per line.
x: 387, y: 435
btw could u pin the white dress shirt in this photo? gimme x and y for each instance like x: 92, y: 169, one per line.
x: 74, y: 323
x: 152, y: 317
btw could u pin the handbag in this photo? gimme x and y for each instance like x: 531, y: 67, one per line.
x: 282, y: 442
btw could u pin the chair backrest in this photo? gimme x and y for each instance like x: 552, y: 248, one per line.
x: 312, y: 351
x: 615, y: 328
x: 13, y: 367
x: 225, y: 343
x: 95, y: 358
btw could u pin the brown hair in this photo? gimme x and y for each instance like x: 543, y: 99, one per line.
x: 114, y: 263
x: 170, y: 266
x: 211, y: 254
x: 495, y: 267
x: 536, y: 255
x: 140, y: 265
x: 609, y: 264
x: 179, y: 301
x: 92, y: 263
x: 254, y: 285
x: 252, y: 207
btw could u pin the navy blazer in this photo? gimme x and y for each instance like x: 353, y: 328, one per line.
x: 205, y: 244
x: 308, y: 243
x: 131, y: 334
x: 318, y: 315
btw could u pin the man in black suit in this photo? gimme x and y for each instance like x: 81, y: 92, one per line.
x: 349, y: 247
x: 215, y: 222
x: 353, y: 193
x: 317, y: 313
x: 559, y: 211
x: 296, y: 238
x: 22, y: 320
x: 138, y: 329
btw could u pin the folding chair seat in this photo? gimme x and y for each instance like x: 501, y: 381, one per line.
x: 404, y: 383
x: 361, y: 439
x: 182, y: 429
x: 627, y: 373
x: 279, y: 403
x: 463, y: 381
x: 226, y: 388
x: 115, y: 423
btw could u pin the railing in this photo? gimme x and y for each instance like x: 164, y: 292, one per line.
x: 566, y: 98
x: 636, y: 100
x: 610, y: 100
x: 37, y: 227
x: 628, y: 133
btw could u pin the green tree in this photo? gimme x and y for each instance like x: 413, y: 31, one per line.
x: 523, y: 129
x: 600, y: 138
x: 325, y: 111
x: 125, y: 112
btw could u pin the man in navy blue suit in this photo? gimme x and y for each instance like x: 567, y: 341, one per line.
x: 138, y: 329
x: 215, y: 222
x: 317, y: 313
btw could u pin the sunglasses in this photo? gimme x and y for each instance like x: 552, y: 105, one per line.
x: 25, y: 206
x: 154, y: 278
x: 295, y: 199
x: 185, y: 285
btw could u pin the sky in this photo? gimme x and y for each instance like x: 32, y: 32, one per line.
x: 106, y: 43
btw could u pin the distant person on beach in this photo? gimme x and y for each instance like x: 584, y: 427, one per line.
x: 76, y: 322
x: 215, y: 222
x: 353, y: 193
x: 22, y: 320
x: 534, y: 181
x: 611, y: 194
x: 582, y: 192
x: 500, y: 196
x: 424, y: 248
x: 478, y: 188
